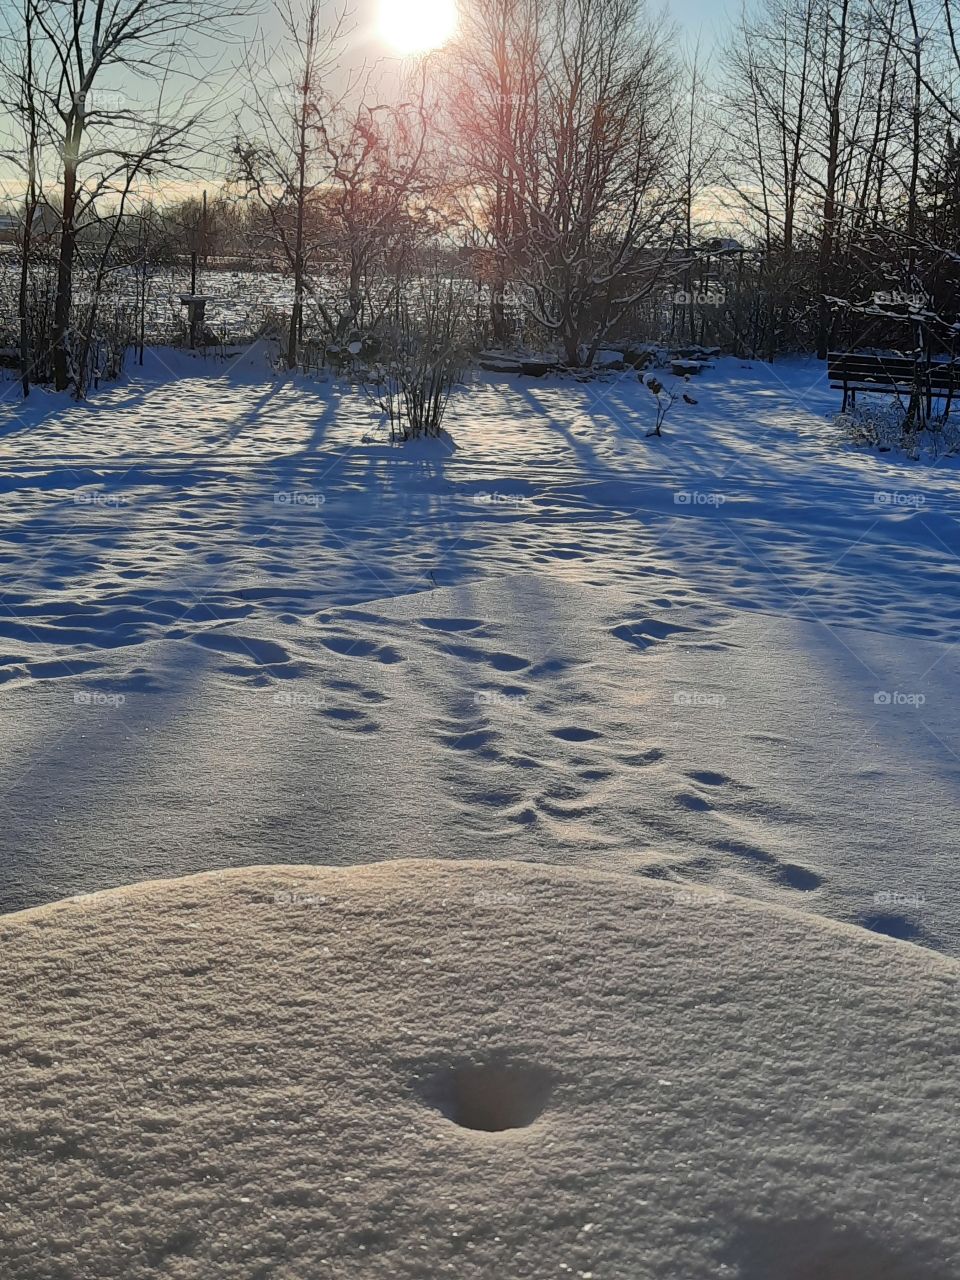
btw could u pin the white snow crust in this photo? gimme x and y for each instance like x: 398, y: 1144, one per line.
x: 247, y: 1073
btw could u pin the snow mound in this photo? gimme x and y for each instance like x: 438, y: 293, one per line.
x: 422, y: 1068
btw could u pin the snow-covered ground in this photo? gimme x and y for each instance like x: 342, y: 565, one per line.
x: 234, y: 631
x: 483, y: 1071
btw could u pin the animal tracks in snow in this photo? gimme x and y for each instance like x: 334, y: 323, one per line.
x: 588, y: 672
x: 350, y: 645
x: 573, y: 733
x: 496, y: 699
x: 646, y: 632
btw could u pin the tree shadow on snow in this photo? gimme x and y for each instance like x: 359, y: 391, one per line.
x: 824, y: 1249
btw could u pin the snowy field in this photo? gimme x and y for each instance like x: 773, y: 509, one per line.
x: 240, y: 301
x: 235, y: 631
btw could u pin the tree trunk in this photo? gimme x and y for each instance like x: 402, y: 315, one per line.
x: 500, y: 330
x: 354, y: 296
x: 26, y: 361
x: 571, y: 349
x: 68, y: 248
x: 828, y: 234
x: 293, y: 332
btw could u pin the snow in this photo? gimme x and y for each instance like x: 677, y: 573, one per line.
x: 274, y: 1071
x: 633, y: 763
x: 235, y: 633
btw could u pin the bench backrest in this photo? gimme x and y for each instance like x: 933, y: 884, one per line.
x: 893, y: 371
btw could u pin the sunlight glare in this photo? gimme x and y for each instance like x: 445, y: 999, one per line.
x: 415, y: 26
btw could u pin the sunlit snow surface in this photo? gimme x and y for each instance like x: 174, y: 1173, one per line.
x: 233, y: 631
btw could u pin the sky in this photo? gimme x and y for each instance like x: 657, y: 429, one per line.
x: 693, y: 19
x: 708, y: 17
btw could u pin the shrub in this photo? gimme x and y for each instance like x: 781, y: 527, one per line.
x: 423, y: 356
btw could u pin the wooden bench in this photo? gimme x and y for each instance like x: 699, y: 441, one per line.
x: 852, y: 371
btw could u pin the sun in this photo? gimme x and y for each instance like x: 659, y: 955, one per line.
x: 414, y: 26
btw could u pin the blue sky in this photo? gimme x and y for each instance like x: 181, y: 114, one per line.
x: 709, y: 17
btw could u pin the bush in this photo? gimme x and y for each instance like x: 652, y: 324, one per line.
x: 423, y: 355
x: 888, y: 425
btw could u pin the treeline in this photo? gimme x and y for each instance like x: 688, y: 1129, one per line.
x: 838, y: 157
x: 582, y: 182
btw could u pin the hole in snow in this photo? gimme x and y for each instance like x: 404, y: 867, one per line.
x: 493, y: 1097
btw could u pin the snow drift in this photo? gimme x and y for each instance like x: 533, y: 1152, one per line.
x: 421, y: 1068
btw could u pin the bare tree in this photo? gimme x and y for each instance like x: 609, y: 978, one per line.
x: 829, y: 127
x: 491, y: 78
x: 698, y: 150
x: 600, y: 204
x: 18, y: 95
x: 378, y: 201
x: 561, y: 114
x: 768, y: 124
x: 108, y: 78
x: 282, y: 154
